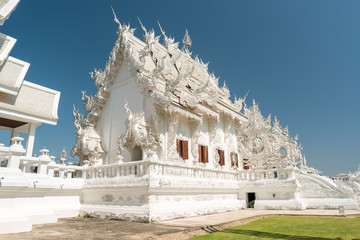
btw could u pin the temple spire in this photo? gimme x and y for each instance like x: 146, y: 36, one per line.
x: 186, y: 42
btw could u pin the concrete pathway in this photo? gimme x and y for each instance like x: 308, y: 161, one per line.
x: 176, y: 229
x: 93, y: 229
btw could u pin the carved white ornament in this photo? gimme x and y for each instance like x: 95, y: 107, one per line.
x: 141, y: 133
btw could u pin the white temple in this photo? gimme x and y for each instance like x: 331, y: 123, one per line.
x: 165, y: 141
x: 160, y: 140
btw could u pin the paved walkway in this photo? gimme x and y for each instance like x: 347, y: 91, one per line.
x: 176, y: 229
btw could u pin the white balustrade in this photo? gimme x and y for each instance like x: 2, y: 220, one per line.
x: 278, y: 173
x: 46, y: 165
x: 142, y: 168
x: 138, y: 168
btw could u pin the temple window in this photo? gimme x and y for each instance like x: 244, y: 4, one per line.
x: 182, y: 148
x: 234, y: 159
x: 221, y: 157
x: 203, y: 154
x: 246, y: 164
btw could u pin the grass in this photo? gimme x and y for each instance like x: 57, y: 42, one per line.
x: 292, y: 228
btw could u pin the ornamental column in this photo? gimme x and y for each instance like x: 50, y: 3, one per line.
x: 30, y: 139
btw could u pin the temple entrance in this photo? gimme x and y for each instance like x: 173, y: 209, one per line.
x: 250, y: 200
x: 136, y: 154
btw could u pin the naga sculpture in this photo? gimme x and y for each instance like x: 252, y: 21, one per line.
x: 352, y: 186
x: 88, y: 142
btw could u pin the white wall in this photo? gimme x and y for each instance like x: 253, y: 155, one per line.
x: 112, y: 121
x: 22, y: 208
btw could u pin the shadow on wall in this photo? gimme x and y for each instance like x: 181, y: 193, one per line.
x: 136, y: 154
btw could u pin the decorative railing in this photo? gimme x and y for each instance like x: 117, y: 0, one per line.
x: 168, y: 169
x: 12, y: 158
x: 45, y: 165
x: 142, y: 168
x: 260, y: 174
x: 138, y: 168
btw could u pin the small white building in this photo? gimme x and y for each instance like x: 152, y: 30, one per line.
x: 341, y: 177
x: 23, y: 105
x: 29, y: 191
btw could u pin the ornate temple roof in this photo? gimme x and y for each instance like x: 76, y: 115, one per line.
x: 21, y: 101
x: 167, y: 75
x: 12, y: 74
x: 6, y: 44
x: 6, y: 8
x: 33, y: 103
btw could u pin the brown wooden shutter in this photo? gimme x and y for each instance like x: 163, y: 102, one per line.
x: 206, y: 160
x: 185, y: 150
x: 222, y: 157
x: 245, y: 164
x: 237, y: 159
x: 200, y: 160
x: 178, y: 146
x: 219, y: 152
x: 231, y: 158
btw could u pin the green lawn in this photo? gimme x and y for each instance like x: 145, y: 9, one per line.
x: 299, y: 228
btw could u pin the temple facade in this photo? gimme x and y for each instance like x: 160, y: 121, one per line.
x: 163, y: 140
x: 160, y: 139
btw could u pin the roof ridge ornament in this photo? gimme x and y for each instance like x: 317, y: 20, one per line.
x: 115, y: 18
x: 142, y: 26
x: 186, y: 42
x: 240, y: 102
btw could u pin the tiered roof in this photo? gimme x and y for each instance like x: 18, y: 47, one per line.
x: 167, y: 75
x: 6, y: 44
x: 12, y: 74
x: 6, y: 8
x: 33, y: 103
x: 21, y: 101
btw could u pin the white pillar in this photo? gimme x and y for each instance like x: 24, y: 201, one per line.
x: 15, y: 149
x: 44, y: 160
x: 61, y: 172
x: 69, y: 173
x: 50, y: 171
x: 30, y: 139
x: 51, y: 167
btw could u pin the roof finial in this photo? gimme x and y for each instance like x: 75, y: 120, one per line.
x: 63, y: 153
x: 186, y: 42
x: 142, y: 26
x: 115, y: 18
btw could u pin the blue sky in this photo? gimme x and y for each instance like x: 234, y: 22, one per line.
x: 300, y: 60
